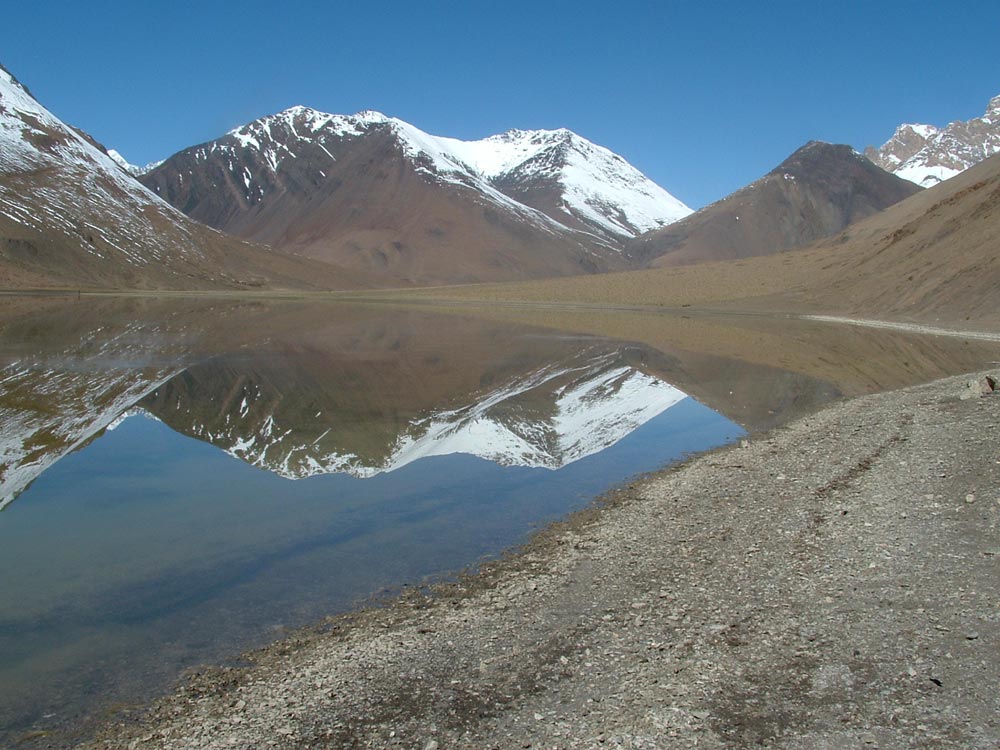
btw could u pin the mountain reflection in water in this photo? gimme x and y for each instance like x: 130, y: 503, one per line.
x: 133, y: 544
x: 420, y: 444
x: 553, y: 413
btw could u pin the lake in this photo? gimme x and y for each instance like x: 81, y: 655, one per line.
x: 182, y: 481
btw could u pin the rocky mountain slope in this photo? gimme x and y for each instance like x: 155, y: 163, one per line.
x: 926, y: 154
x: 70, y: 216
x: 814, y: 193
x: 376, y: 193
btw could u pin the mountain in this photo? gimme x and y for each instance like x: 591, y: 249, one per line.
x: 375, y: 193
x: 927, y: 155
x: 932, y: 257
x: 132, y: 169
x: 71, y: 216
x: 814, y: 193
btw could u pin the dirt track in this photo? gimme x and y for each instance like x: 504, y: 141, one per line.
x: 829, y: 585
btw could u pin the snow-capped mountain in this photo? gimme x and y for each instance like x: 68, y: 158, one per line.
x: 132, y: 169
x: 546, y: 417
x: 573, y: 180
x: 70, y: 215
x: 927, y: 155
x: 379, y: 193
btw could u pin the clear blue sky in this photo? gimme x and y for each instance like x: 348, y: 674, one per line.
x: 702, y: 96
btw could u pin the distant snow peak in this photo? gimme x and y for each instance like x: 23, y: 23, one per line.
x: 132, y: 169
x: 993, y: 108
x: 927, y: 155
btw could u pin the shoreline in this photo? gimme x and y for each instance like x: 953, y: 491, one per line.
x: 830, y: 583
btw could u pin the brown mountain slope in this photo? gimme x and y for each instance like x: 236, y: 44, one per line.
x: 815, y: 193
x: 40, y: 257
x: 69, y: 216
x: 357, y: 192
x: 931, y: 258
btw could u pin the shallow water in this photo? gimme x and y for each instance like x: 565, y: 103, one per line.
x: 183, y: 481
x: 173, y: 499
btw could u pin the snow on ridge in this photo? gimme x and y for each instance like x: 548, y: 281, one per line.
x: 924, y: 131
x: 611, y: 192
x: 121, y: 161
x: 133, y: 169
x: 93, y: 191
x: 598, y: 185
x: 927, y: 154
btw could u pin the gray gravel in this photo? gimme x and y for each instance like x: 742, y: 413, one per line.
x: 832, y: 584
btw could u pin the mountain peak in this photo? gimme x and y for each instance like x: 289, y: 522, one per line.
x: 554, y: 179
x: 814, y: 193
x: 816, y: 155
x: 993, y: 108
x: 927, y: 155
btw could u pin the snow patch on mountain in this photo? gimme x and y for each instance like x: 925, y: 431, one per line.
x: 597, y: 186
x: 132, y: 169
x: 928, y: 155
x: 90, y: 197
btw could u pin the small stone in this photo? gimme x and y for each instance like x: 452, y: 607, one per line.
x: 970, y: 498
x: 431, y: 745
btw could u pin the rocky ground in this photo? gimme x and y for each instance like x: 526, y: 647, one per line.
x: 832, y: 584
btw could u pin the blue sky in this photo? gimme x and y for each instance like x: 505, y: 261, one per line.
x: 702, y: 96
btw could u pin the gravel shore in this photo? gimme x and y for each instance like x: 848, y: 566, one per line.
x: 831, y: 584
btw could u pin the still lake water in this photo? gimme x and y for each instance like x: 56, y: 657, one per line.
x: 182, y: 485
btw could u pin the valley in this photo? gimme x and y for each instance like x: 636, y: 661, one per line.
x: 493, y: 442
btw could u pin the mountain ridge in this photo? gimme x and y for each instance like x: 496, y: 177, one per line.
x: 927, y: 154
x: 817, y: 191
x: 376, y: 193
x: 71, y: 216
